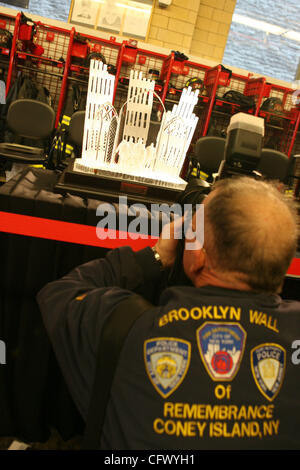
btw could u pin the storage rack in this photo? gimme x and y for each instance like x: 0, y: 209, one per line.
x: 57, y: 68
x: 281, y: 126
x: 46, y: 63
x: 6, y: 22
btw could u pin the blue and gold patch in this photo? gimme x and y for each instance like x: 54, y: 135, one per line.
x: 221, y: 347
x: 268, y: 368
x: 167, y: 361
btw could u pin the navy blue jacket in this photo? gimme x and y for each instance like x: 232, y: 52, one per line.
x: 205, y: 368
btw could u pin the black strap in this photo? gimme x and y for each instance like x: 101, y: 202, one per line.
x: 114, y: 332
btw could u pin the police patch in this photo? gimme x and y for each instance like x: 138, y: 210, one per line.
x: 167, y: 361
x: 268, y: 367
x: 221, y: 347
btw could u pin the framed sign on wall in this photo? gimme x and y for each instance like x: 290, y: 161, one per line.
x: 124, y: 17
x: 84, y: 12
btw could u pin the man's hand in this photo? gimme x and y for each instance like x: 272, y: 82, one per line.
x: 168, y: 240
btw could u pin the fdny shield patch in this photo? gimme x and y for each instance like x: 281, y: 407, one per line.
x: 268, y: 367
x: 221, y: 347
x: 167, y: 361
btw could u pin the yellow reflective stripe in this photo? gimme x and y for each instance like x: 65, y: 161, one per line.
x: 203, y: 175
x: 68, y: 148
x: 66, y: 120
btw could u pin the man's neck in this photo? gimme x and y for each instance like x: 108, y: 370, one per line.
x: 229, y: 280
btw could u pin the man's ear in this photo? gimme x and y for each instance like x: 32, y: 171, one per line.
x: 193, y: 262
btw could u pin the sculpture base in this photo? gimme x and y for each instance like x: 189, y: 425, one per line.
x: 108, y: 186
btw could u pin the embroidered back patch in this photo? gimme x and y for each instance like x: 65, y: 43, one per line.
x: 221, y: 347
x: 268, y: 367
x: 167, y: 361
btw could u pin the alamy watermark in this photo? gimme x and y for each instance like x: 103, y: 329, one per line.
x: 136, y: 221
x: 2, y: 352
x: 2, y: 92
x: 296, y: 354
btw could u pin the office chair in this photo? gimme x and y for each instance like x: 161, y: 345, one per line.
x: 294, y: 176
x: 275, y: 165
x: 207, y: 156
x: 29, y: 119
x: 76, y: 128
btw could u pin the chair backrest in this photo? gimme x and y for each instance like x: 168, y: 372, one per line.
x: 209, y: 152
x: 32, y: 119
x: 274, y: 165
x: 76, y: 127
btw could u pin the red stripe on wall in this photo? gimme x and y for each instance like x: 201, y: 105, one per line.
x: 84, y: 234
x: 294, y: 269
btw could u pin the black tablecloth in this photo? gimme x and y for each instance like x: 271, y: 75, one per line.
x: 33, y: 394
